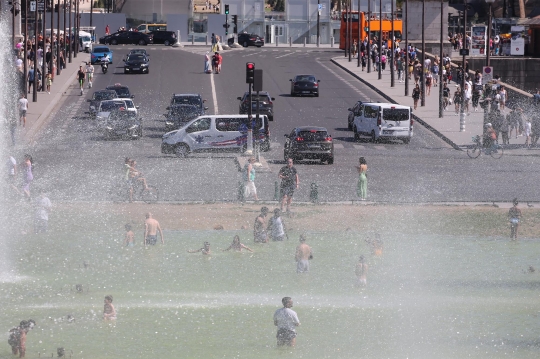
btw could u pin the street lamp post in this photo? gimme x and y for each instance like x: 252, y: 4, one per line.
x: 406, y: 48
x: 58, y: 40
x: 346, y: 26
x: 380, y: 41
x: 441, y: 85
x: 359, y: 39
x: 70, y: 40
x: 368, y: 50
x: 464, y: 51
x: 392, y: 80
x: 423, y: 74
x: 34, y: 85
x: 488, y: 50
x: 64, y: 36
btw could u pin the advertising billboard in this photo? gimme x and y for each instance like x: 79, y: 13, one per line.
x: 478, y: 40
x: 517, y: 42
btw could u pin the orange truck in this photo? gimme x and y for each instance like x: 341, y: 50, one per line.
x: 374, y: 24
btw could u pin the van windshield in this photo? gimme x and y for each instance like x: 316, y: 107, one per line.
x: 394, y: 114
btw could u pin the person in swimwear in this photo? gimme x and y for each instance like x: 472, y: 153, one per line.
x: 361, y: 272
x: 129, y: 237
x: 151, y: 227
x: 237, y: 246
x: 109, y: 313
x: 205, y: 250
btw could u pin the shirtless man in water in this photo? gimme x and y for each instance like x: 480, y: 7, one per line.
x: 151, y: 227
x: 302, y: 256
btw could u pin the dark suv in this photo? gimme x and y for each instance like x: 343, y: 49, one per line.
x: 266, y: 106
x: 248, y: 40
x: 122, y: 91
x: 309, y: 142
x: 191, y: 99
x: 164, y: 37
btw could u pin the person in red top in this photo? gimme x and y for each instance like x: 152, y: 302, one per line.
x: 217, y: 60
x: 107, y: 30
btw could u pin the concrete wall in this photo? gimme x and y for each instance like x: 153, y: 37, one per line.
x: 519, y: 72
x: 100, y: 21
x: 178, y: 22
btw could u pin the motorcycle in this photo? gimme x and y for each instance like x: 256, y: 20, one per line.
x: 104, y: 66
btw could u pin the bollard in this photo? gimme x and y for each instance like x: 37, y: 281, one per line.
x: 206, y: 39
x: 462, y: 121
x: 277, y: 41
x: 241, y: 192
x: 193, y: 39
x: 290, y: 41
x: 305, y: 39
x: 332, y: 41
x: 276, y: 191
x: 314, y: 193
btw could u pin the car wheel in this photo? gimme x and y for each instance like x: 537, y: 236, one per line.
x: 317, y: 94
x: 140, y: 132
x: 166, y: 43
x: 330, y: 160
x: 181, y: 150
x: 373, y: 137
x: 147, y: 71
x: 142, y: 42
x: 406, y: 140
x: 292, y: 94
x: 114, y: 42
x: 259, y: 46
x: 125, y: 71
x: 349, y: 125
x: 271, y: 118
x: 356, y: 135
x: 245, y: 44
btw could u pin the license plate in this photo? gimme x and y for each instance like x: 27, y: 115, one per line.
x: 318, y: 147
x: 305, y: 91
x: 136, y: 68
x: 387, y: 132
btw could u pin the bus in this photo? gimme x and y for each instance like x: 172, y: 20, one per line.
x: 375, y: 25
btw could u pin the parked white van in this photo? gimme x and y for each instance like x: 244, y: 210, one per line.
x: 213, y: 132
x: 85, y: 41
x: 383, y: 120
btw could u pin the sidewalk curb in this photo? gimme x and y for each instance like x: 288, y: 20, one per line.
x: 55, y: 101
x: 417, y: 119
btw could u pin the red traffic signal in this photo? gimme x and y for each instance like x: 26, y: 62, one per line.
x: 250, y: 72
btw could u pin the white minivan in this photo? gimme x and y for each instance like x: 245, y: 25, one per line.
x: 213, y: 132
x: 383, y: 120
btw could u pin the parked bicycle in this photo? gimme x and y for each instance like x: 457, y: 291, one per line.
x: 495, y: 151
x: 120, y: 192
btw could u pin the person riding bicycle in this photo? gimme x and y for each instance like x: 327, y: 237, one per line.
x: 135, y: 176
x: 490, y: 138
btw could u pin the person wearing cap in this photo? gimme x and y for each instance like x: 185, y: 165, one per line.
x: 514, y: 216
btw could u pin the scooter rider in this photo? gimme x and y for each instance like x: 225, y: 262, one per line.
x: 105, y: 60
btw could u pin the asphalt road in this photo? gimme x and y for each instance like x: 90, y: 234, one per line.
x: 75, y: 162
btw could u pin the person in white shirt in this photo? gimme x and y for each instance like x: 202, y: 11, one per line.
x: 89, y: 73
x: 286, y: 320
x: 23, y: 107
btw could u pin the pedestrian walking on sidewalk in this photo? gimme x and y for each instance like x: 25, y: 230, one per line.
x: 446, y: 96
x: 505, y: 127
x: 416, y: 95
x: 248, y: 176
x: 80, y: 78
x: 23, y: 107
x: 354, y: 48
x: 364, y: 60
x: 400, y: 66
x: 429, y: 82
x: 528, y: 130
x: 457, y: 99
x: 502, y: 101
x: 30, y: 78
x: 48, y: 83
x: 361, y: 187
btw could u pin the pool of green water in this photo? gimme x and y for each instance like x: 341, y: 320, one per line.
x: 427, y: 296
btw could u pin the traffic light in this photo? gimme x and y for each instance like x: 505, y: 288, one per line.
x: 250, y: 72
x: 226, y: 9
x: 235, y: 22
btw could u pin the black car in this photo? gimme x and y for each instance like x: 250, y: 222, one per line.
x: 123, y: 124
x: 305, y: 85
x: 99, y: 96
x: 122, y: 91
x: 126, y: 37
x: 248, y: 40
x: 353, y: 111
x: 266, y: 104
x: 192, y: 99
x: 309, y: 142
x: 164, y: 37
x: 178, y: 115
x: 136, y: 63
x: 139, y: 51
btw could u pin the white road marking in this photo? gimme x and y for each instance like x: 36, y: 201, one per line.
x: 338, y: 145
x: 342, y: 79
x: 214, y: 97
x: 290, y: 53
x: 359, y: 147
x: 379, y: 147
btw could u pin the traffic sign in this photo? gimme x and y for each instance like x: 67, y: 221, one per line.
x: 32, y: 6
x: 320, y: 7
x: 41, y: 5
x: 464, y: 52
x: 487, y: 74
